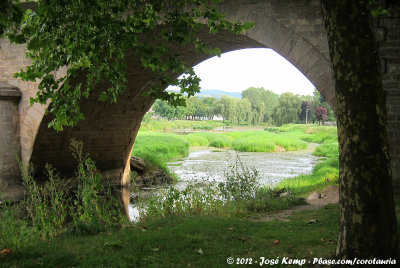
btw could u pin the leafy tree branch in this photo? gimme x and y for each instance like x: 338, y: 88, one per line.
x: 91, y: 38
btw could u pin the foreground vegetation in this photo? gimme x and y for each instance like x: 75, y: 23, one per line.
x: 85, y: 227
x: 182, y: 241
x: 83, y: 205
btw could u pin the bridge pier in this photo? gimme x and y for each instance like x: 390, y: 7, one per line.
x: 10, y: 175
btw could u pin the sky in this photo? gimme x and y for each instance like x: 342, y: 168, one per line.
x: 259, y: 67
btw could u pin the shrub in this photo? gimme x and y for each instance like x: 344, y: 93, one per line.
x: 47, y: 205
x: 95, y: 209
x: 241, y: 182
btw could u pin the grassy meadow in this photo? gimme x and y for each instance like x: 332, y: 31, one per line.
x: 163, y: 125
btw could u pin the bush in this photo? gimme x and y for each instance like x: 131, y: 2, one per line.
x: 86, y: 206
x: 46, y: 206
x: 94, y: 207
x: 241, y: 182
x: 193, y: 200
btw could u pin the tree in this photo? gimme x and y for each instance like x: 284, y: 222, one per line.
x: 259, y: 111
x: 220, y: 110
x: 92, y: 38
x: 244, y: 111
x: 321, y: 114
x: 288, y: 109
x: 258, y: 96
x: 368, y: 226
x: 271, y: 99
x: 164, y: 109
x: 209, y: 104
x: 226, y: 106
x: 320, y: 101
x: 305, y: 113
x: 11, y: 15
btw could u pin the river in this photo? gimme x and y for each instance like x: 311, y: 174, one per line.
x: 209, y: 164
x: 205, y: 164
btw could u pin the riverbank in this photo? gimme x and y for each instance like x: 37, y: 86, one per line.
x: 161, y: 147
x: 158, y: 148
x: 203, y: 176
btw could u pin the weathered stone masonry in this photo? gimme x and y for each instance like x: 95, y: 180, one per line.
x: 293, y: 28
x: 9, y: 133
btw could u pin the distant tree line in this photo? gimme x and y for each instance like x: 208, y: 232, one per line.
x: 257, y: 106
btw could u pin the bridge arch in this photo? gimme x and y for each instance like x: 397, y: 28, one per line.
x: 109, y: 130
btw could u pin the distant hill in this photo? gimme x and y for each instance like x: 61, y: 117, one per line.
x: 218, y: 93
x: 215, y: 93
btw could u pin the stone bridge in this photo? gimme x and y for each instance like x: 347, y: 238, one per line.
x: 293, y: 28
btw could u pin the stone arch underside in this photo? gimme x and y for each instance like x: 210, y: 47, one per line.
x: 109, y: 130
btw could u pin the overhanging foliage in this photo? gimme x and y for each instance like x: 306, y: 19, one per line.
x: 92, y: 38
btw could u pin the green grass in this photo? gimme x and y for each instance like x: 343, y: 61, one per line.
x: 308, y: 133
x: 290, y: 144
x: 162, y: 125
x: 324, y: 173
x: 195, y: 140
x: 321, y: 134
x: 221, y: 142
x: 158, y: 148
x: 330, y: 150
x: 290, y: 137
x: 248, y: 141
x: 265, y: 201
x: 254, y: 144
x: 205, y: 137
x: 175, y: 241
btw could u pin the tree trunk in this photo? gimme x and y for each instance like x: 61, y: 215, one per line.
x: 368, y: 226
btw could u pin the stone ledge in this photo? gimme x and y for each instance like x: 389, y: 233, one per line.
x: 8, y: 91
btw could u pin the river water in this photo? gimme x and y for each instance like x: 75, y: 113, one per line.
x: 208, y: 164
x: 204, y: 164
